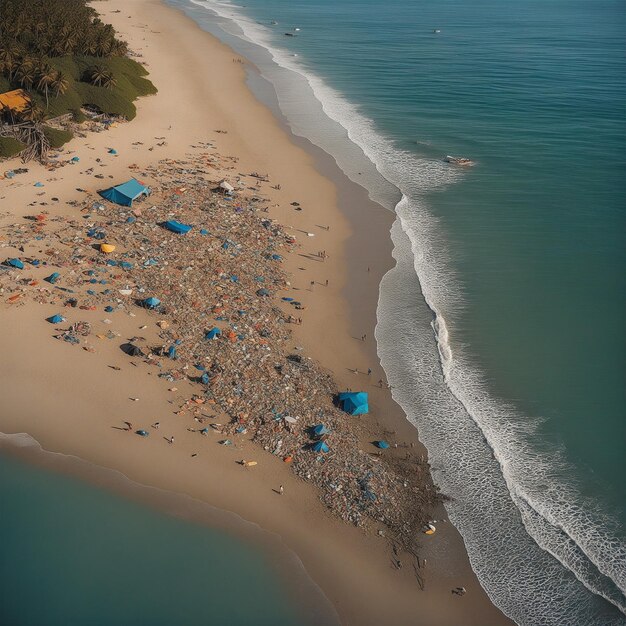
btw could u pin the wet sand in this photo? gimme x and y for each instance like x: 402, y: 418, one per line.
x: 64, y: 402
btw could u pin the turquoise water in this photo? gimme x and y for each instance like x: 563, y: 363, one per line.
x: 502, y: 326
x: 71, y: 554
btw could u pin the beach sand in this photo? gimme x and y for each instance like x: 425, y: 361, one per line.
x: 71, y: 401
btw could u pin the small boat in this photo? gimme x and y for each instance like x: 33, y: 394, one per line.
x: 289, y: 35
x: 436, y: 31
x: 458, y: 160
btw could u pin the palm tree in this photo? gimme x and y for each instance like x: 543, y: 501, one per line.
x: 109, y: 81
x: 60, y: 84
x: 26, y: 75
x: 97, y: 75
x: 32, y: 112
x: 46, y: 78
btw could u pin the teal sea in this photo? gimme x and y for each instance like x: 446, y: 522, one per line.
x: 74, y: 554
x: 501, y: 327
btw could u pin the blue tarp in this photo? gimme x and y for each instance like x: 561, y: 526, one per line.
x: 125, y: 193
x: 52, y: 278
x: 320, y: 446
x: 383, y: 445
x: 213, y: 333
x: 177, y: 227
x: 171, y: 353
x: 55, y: 319
x: 15, y: 263
x: 354, y: 402
x: 151, y: 303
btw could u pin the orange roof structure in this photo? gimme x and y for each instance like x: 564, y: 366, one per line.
x: 15, y: 100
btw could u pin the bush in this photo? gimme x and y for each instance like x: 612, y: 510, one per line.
x: 57, y: 137
x: 9, y: 147
x: 78, y: 116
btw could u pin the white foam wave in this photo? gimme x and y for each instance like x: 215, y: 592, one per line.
x: 543, y: 505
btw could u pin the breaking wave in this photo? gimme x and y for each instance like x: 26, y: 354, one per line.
x: 543, y: 553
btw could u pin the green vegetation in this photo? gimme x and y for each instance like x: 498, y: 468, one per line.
x: 9, y: 147
x: 65, y: 57
x: 57, y: 137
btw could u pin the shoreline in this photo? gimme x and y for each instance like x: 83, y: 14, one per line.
x: 346, y: 267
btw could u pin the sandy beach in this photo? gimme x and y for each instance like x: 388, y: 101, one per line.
x: 74, y: 402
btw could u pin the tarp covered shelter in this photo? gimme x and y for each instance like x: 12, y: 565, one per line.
x: 15, y: 100
x: 213, y: 333
x: 125, y: 193
x: 320, y: 446
x: 320, y: 429
x: 15, y: 263
x: 55, y: 319
x: 177, y: 227
x: 151, y: 303
x: 354, y: 402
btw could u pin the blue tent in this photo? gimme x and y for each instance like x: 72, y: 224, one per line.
x: 320, y: 429
x: 213, y: 333
x: 151, y: 303
x: 320, y: 446
x: 171, y: 353
x: 177, y: 227
x: 383, y: 445
x: 354, y: 402
x: 55, y: 319
x: 205, y: 378
x: 52, y: 278
x: 15, y: 263
x: 125, y: 193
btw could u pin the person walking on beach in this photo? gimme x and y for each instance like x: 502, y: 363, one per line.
x: 281, y: 490
x: 171, y: 439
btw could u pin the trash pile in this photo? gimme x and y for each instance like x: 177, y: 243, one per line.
x: 206, y: 262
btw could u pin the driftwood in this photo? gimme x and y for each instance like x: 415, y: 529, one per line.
x: 29, y: 133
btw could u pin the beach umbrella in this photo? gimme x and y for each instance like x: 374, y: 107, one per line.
x: 55, y: 319
x: 320, y: 429
x: 383, y: 445
x: 151, y: 303
x: 107, y: 248
x: 15, y: 263
x: 177, y: 227
x: 320, y: 446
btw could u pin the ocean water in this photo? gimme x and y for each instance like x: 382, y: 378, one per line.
x: 72, y: 554
x: 502, y: 325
